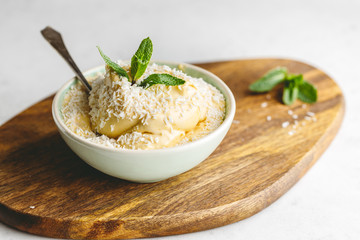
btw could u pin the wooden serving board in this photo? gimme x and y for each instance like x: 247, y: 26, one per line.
x: 46, y: 189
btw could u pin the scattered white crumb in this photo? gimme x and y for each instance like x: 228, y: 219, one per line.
x: 314, y: 119
x: 236, y: 121
x: 285, y: 124
x: 303, y: 123
x: 311, y: 114
x: 290, y: 112
x: 307, y: 118
x: 304, y: 106
x: 32, y: 207
x: 264, y: 104
x: 296, y: 123
x: 291, y: 132
x: 295, y: 116
x: 268, y: 118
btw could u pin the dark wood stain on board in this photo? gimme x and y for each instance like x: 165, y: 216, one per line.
x: 257, y: 162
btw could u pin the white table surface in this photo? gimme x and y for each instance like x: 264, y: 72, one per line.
x: 325, y: 203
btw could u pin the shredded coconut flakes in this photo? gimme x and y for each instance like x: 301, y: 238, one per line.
x: 120, y: 99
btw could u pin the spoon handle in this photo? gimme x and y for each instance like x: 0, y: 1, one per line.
x: 55, y: 40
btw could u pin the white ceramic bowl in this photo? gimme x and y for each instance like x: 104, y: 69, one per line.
x: 146, y: 165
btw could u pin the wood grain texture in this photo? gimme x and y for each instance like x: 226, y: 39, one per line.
x: 257, y: 162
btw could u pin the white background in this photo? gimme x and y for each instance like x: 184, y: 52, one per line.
x: 325, y: 203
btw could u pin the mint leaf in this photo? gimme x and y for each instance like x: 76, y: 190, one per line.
x: 307, y: 92
x: 141, y: 59
x: 295, y: 87
x: 269, y: 80
x: 166, y: 79
x: 114, y: 66
x: 290, y: 93
x: 297, y: 78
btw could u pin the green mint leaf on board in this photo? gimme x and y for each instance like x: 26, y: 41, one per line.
x: 166, y: 79
x: 269, y: 80
x: 295, y: 87
x: 114, y: 66
x: 141, y: 59
x: 296, y: 78
x: 307, y: 92
x: 290, y: 92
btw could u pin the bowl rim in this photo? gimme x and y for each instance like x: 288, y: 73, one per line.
x: 220, y: 85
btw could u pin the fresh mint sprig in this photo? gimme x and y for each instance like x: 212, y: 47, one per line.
x: 295, y: 87
x: 139, y: 63
x: 114, y: 66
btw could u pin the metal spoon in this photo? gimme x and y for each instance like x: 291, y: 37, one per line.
x: 55, y: 40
